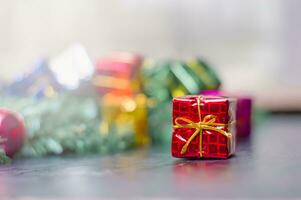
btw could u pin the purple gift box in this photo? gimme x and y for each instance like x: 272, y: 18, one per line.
x: 243, y: 111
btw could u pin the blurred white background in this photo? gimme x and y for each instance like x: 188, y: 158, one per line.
x: 254, y: 45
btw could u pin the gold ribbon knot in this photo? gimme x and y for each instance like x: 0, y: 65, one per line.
x: 208, y: 123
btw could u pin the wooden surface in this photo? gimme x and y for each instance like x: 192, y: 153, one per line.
x: 266, y: 165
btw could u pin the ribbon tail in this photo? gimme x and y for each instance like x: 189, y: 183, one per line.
x: 184, y: 148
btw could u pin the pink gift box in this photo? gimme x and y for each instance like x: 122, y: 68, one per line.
x: 243, y: 111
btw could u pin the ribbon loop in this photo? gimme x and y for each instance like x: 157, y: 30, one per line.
x: 210, y: 118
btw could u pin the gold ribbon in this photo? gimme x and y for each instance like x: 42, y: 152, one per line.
x: 208, y: 123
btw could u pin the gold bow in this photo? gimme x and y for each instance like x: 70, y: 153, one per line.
x: 208, y: 123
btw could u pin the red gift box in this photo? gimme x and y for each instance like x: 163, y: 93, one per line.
x: 203, y: 126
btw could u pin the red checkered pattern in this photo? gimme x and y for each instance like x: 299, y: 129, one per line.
x: 214, y: 144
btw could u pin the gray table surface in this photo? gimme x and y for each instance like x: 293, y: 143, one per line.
x: 266, y: 165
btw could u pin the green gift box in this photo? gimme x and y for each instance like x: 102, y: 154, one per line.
x: 165, y: 79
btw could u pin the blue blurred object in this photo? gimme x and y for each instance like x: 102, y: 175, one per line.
x: 67, y: 71
x: 40, y: 82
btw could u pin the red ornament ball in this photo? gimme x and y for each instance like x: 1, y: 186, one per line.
x: 12, y: 131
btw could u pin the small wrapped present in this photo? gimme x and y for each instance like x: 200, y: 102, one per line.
x: 165, y: 79
x: 125, y: 115
x: 243, y: 111
x: 118, y: 73
x: 203, y: 126
x: 203, y: 72
x: 244, y: 116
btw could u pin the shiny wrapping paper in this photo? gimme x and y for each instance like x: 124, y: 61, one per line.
x: 165, y: 79
x: 123, y: 106
x: 201, y: 71
x: 244, y: 116
x: 125, y: 115
x: 203, y: 126
x: 243, y: 111
x: 118, y: 73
